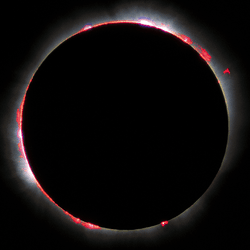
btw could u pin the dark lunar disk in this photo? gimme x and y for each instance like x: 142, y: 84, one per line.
x: 125, y: 126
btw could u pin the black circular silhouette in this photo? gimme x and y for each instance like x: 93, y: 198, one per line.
x: 124, y: 126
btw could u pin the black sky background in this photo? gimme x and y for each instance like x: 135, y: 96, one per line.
x: 226, y: 225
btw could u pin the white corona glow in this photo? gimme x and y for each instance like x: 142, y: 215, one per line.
x: 161, y: 26
x: 87, y: 27
x: 26, y: 171
x: 165, y: 28
x: 19, y: 133
x: 146, y: 22
x: 28, y: 175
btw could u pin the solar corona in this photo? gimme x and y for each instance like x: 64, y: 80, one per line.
x: 143, y: 22
x: 223, y: 73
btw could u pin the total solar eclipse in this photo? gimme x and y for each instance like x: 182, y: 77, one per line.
x: 124, y: 125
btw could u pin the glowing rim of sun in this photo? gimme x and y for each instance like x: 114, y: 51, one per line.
x: 26, y: 171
